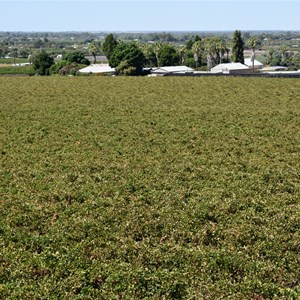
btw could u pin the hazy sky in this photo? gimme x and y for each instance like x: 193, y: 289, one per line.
x: 146, y: 15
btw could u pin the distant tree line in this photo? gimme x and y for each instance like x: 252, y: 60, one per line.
x: 131, y: 58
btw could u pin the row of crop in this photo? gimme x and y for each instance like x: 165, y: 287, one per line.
x: 22, y: 70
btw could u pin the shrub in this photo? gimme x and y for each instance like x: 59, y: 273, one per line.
x: 55, y: 69
x: 76, y: 57
x: 42, y: 63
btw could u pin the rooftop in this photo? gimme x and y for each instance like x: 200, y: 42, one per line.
x: 171, y: 69
x: 97, y: 68
x: 229, y: 67
x: 248, y: 62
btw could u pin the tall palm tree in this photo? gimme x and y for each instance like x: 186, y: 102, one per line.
x: 196, y: 48
x: 157, y: 50
x: 144, y: 48
x: 270, y: 55
x: 222, y: 49
x: 210, y: 49
x: 283, y: 50
x: 227, y: 50
x: 182, y: 52
x: 93, y: 49
x: 253, y: 44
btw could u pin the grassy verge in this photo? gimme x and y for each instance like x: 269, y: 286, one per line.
x: 149, y: 188
x: 22, y: 70
x: 13, y: 60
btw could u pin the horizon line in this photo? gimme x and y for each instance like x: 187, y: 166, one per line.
x: 150, y: 31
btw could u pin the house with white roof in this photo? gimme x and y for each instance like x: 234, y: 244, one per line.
x: 171, y: 70
x: 231, y: 68
x: 274, y: 68
x: 97, y: 69
x: 257, y: 64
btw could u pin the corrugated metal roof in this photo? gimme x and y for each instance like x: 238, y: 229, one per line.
x: 229, y: 67
x: 275, y: 68
x: 172, y: 69
x: 248, y: 62
x: 98, y: 68
x: 283, y: 72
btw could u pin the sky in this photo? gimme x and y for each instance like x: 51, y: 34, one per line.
x: 147, y: 15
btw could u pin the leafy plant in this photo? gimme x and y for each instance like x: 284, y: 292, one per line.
x: 149, y: 188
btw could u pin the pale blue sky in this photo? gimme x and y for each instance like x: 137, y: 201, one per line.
x: 146, y: 15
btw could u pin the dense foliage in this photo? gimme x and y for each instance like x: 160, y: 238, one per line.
x: 42, y: 63
x: 237, y: 47
x: 109, y: 45
x: 127, y: 58
x: 76, y: 57
x: 149, y: 188
x: 94, y: 48
x: 168, y: 55
x: 200, y: 50
x: 64, y: 67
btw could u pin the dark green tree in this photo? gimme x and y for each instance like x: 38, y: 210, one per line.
x: 197, y: 38
x: 109, y: 45
x: 276, y: 59
x: 42, y: 63
x: 237, y: 47
x: 55, y: 68
x: 189, y: 44
x: 127, y: 59
x: 168, y: 55
x: 76, y: 57
x: 189, y: 60
x: 23, y: 53
x: 270, y: 55
x: 148, y: 51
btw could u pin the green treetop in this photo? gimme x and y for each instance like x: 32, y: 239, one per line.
x: 42, y: 63
x: 127, y: 59
x: 108, y: 46
x: 237, y: 47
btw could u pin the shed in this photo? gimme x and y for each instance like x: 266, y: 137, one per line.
x: 98, y: 68
x: 274, y: 68
x: 171, y: 70
x: 257, y: 64
x: 230, y: 68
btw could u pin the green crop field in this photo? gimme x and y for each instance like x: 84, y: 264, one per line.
x: 19, y: 70
x: 12, y: 60
x: 149, y: 188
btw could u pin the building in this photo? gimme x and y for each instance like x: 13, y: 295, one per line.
x: 274, y: 68
x: 171, y: 70
x: 231, y: 68
x: 257, y: 64
x: 97, y: 69
x: 282, y: 73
